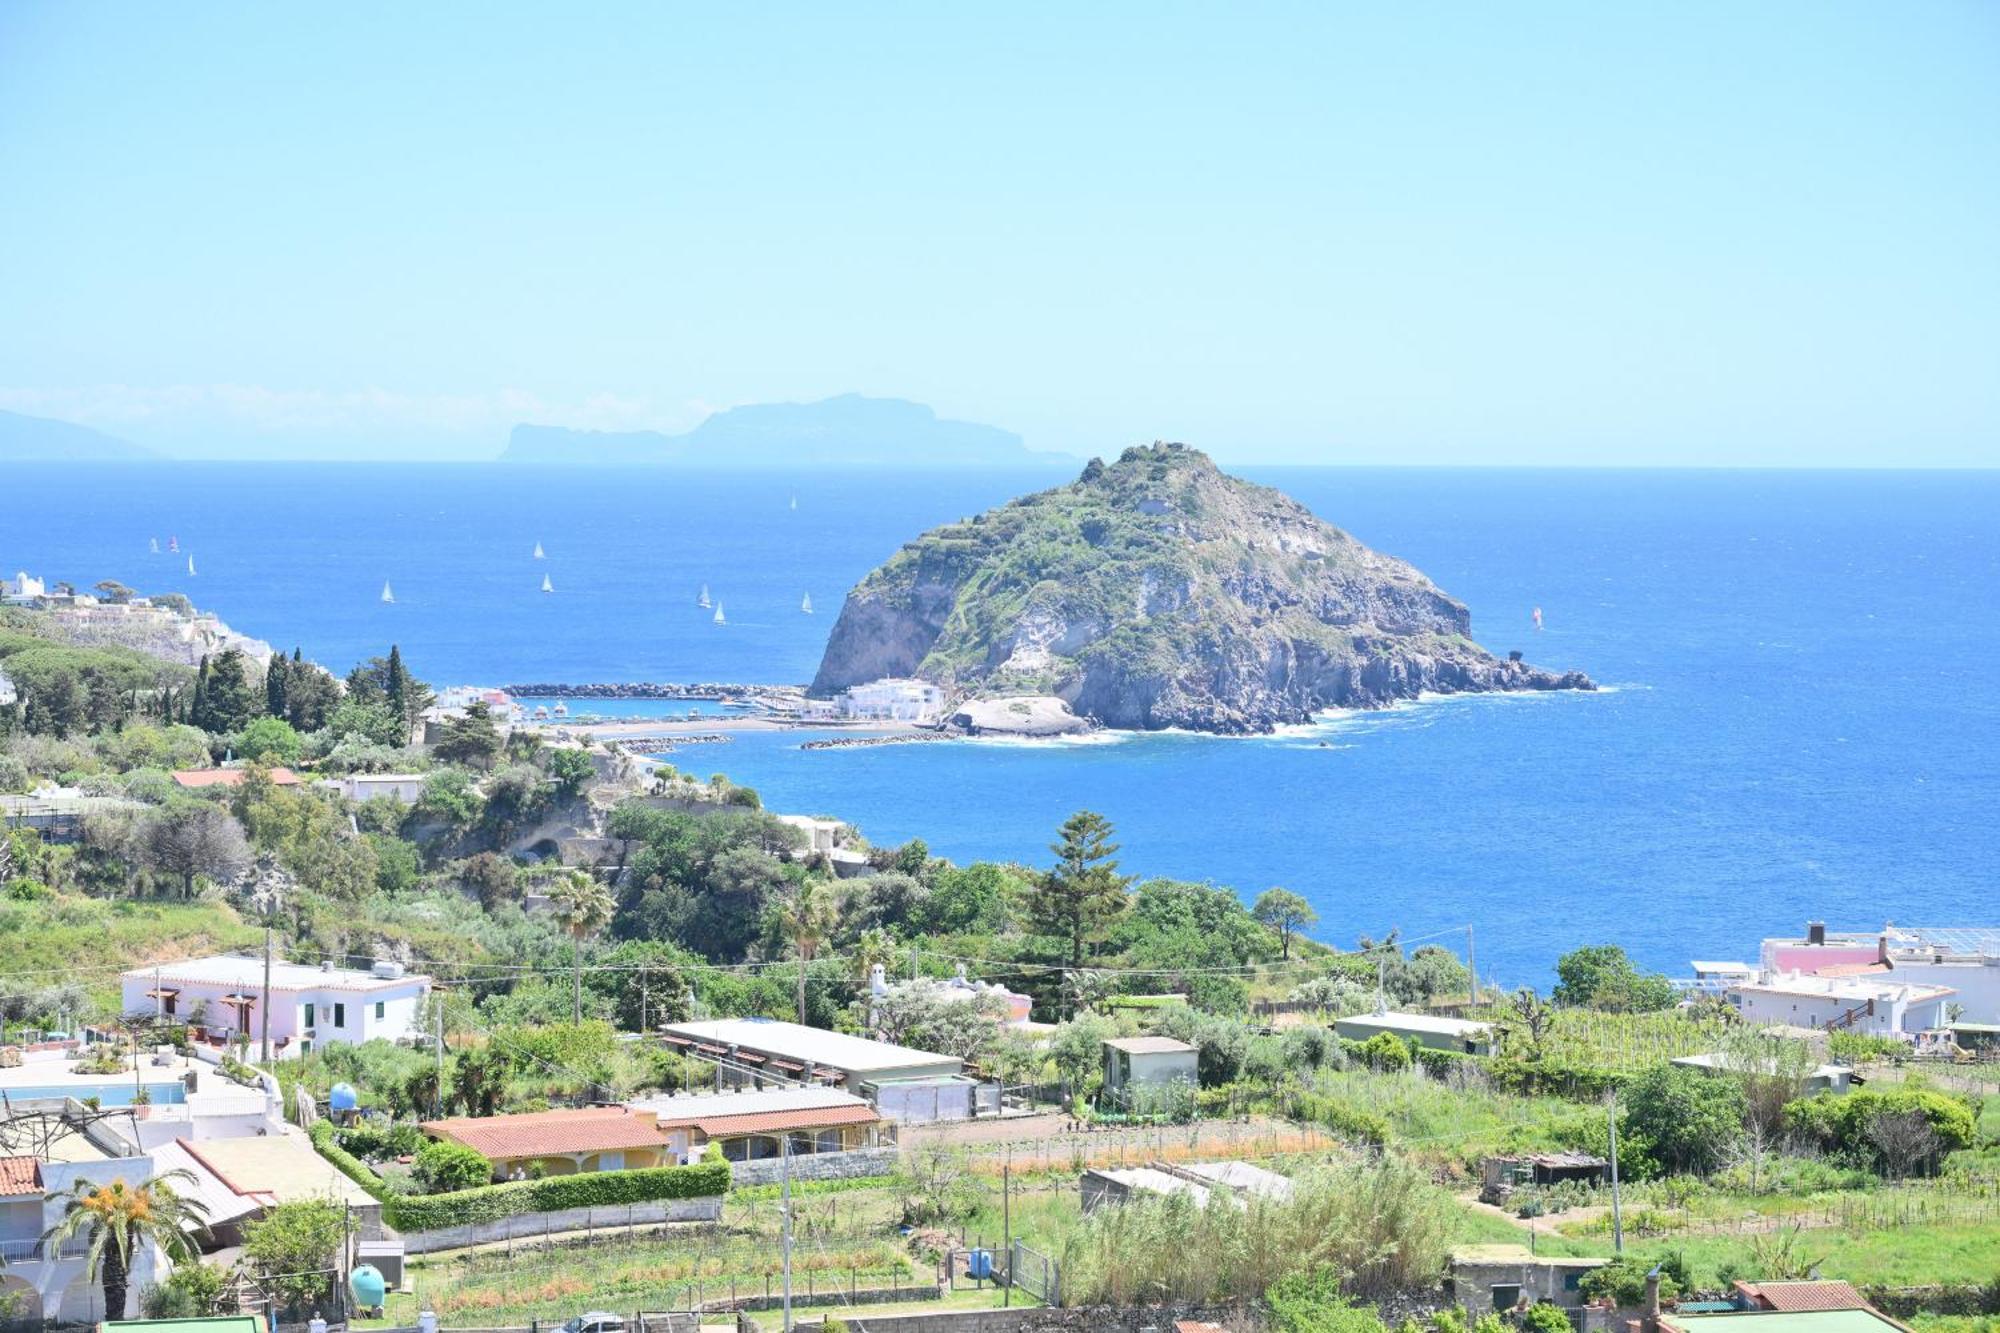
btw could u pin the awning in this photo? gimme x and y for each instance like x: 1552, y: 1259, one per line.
x: 163, y: 993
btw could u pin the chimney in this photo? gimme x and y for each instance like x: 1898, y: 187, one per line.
x: 1815, y: 932
x: 1882, y: 947
x: 326, y: 965
x: 1651, y: 1322
x: 878, y: 981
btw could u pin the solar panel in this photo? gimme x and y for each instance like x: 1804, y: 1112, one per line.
x: 1961, y: 940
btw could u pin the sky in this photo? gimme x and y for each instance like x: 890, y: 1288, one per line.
x: 1703, y: 233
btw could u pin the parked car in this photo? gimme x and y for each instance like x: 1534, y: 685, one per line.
x: 596, y: 1321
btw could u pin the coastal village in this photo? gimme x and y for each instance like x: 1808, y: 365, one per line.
x: 869, y: 1106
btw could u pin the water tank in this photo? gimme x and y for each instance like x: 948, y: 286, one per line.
x: 388, y: 969
x: 343, y: 1098
x: 365, y: 1284
x: 979, y: 1264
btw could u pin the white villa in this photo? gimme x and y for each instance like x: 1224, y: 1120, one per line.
x: 310, y: 1006
x: 1878, y: 1006
x: 893, y: 700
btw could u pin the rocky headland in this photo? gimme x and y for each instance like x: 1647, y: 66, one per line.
x: 1157, y: 591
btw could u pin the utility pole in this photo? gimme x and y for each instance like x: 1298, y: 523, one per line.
x: 1617, y: 1218
x: 159, y: 999
x: 439, y: 1024
x: 1007, y: 1226
x: 576, y: 975
x: 643, y: 1029
x: 785, y: 1211
x: 1472, y: 964
x: 264, y: 1014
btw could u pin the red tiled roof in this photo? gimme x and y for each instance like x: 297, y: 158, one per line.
x: 540, y: 1133
x: 18, y: 1175
x: 768, y: 1122
x: 230, y: 777
x: 1800, y: 1297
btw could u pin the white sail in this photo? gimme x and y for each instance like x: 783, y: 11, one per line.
x: 795, y: 502
x: 546, y: 585
x: 702, y: 601
x: 190, y: 566
x: 718, y: 615
x: 387, y: 594
x: 154, y: 542
x: 538, y: 551
x: 807, y: 605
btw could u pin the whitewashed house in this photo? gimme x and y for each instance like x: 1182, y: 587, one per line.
x: 893, y: 700
x: 310, y: 1006
x: 51, y: 1282
x: 1877, y: 1006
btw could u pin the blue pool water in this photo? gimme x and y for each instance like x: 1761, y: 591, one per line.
x: 1800, y: 720
x: 107, y: 1094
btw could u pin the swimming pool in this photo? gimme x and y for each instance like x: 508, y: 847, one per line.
x: 107, y: 1094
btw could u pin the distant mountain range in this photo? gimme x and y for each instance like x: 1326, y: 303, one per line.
x: 849, y: 430
x: 26, y: 439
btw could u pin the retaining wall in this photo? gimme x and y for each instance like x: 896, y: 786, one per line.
x: 609, y: 1217
x: 818, y: 1166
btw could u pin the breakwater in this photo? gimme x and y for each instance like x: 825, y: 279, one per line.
x: 653, y: 690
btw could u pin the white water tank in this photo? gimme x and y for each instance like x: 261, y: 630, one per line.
x: 388, y: 969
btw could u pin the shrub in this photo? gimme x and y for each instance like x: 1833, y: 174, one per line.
x: 1849, y: 1125
x: 447, y: 1168
x: 1690, y: 1118
x: 1545, y: 1318
x: 430, y: 1212
x: 347, y: 1163
x: 1385, y: 1052
x: 1623, y: 1283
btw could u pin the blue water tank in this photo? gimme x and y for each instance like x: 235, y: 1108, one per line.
x: 365, y: 1284
x: 979, y: 1264
x: 343, y: 1098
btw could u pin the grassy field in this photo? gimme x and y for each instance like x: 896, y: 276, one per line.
x: 56, y: 935
x: 643, y: 1273
x: 1907, y: 1256
x: 988, y: 1299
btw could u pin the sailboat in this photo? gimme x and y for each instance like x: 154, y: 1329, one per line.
x: 538, y: 551
x: 546, y: 585
x: 1538, y: 617
x: 702, y: 601
x: 174, y: 545
x: 154, y: 542
x: 795, y: 502
x: 387, y: 595
x: 807, y: 605
x: 190, y: 566
x: 718, y: 615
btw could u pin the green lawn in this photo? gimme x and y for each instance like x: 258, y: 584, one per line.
x: 1907, y: 1256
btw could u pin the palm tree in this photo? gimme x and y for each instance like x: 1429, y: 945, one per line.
x: 806, y: 918
x: 584, y: 906
x: 121, y: 1220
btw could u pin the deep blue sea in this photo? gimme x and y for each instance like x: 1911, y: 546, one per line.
x: 1799, y: 718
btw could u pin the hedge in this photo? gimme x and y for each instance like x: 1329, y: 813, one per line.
x: 489, y: 1203
x: 349, y: 1165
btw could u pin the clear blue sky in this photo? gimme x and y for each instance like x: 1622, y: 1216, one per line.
x: 1450, y: 232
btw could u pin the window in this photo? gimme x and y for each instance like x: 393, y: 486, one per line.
x: 381, y: 1011
x: 167, y: 1005
x: 309, y: 1014
x: 340, y: 1015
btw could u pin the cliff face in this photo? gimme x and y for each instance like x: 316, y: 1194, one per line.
x: 1158, y: 592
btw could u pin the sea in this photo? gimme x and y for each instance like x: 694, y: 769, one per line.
x: 1797, y: 721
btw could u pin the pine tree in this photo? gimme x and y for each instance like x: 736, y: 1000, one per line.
x: 1083, y: 894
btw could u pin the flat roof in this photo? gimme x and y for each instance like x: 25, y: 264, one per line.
x: 687, y: 1110
x: 590, y: 1129
x: 283, y: 1166
x: 1520, y: 1254
x: 1790, y: 1321
x: 248, y: 973
x: 831, y: 1050
x: 1705, y: 965
x: 1846, y: 988
x: 1149, y: 1046
x: 1152, y: 1180
x: 1439, y: 1023
x: 222, y: 1323
x: 1714, y: 1060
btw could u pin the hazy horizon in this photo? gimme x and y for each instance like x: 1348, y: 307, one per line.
x: 1695, y: 236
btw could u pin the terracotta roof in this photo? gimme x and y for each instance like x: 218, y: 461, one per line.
x: 230, y: 777
x: 1800, y: 1297
x: 539, y: 1133
x: 1197, y: 1326
x: 18, y: 1175
x: 767, y: 1122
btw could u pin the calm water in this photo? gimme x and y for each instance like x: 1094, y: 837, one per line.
x: 1800, y: 721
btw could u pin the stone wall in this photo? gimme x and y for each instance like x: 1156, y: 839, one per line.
x: 1089, y: 1320
x: 848, y: 1165
x: 609, y: 1217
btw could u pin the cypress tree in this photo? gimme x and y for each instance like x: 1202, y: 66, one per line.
x: 198, y: 708
x: 275, y: 683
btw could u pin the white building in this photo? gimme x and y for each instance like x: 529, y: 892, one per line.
x: 903, y: 1083
x: 960, y: 987
x: 23, y: 588
x: 310, y: 1006
x: 405, y: 787
x: 893, y: 700
x: 1437, y: 1031
x: 55, y: 1282
x: 1964, y: 958
x: 1875, y: 1006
